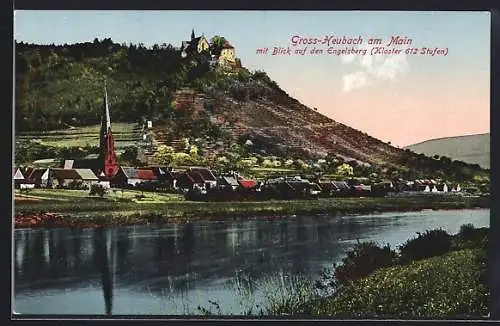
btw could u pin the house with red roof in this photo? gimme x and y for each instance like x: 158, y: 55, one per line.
x: 209, y: 179
x: 132, y: 177
x: 248, y: 184
x: 189, y: 180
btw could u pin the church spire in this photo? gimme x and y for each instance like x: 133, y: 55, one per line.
x: 192, y: 34
x: 108, y: 119
x: 107, y: 144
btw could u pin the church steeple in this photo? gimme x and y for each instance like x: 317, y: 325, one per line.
x: 107, y: 144
x: 192, y: 34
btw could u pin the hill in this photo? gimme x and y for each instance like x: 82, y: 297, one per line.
x: 473, y: 149
x: 209, y: 113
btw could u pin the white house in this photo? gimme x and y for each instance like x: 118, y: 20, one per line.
x: 20, y: 181
x: 18, y: 177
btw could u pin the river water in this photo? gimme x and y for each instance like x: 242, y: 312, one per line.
x: 174, y: 269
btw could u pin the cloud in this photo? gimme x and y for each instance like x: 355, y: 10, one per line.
x: 373, y: 68
x: 354, y: 80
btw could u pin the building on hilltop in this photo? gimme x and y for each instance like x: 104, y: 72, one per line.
x: 222, y: 56
x: 195, y: 45
x: 227, y: 55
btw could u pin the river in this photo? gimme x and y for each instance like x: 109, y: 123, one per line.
x: 173, y: 269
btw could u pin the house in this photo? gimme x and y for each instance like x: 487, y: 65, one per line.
x: 195, y: 45
x: 88, y: 177
x: 209, y: 178
x: 327, y: 188
x: 342, y: 188
x: 334, y: 188
x: 442, y: 187
x: 362, y: 189
x: 20, y: 181
x: 248, y: 184
x: 280, y: 190
x: 91, y: 161
x: 229, y: 182
x: 456, y: 188
x: 383, y: 188
x: 290, y: 188
x: 227, y: 55
x: 131, y: 177
x: 304, y: 188
x: 39, y: 177
x: 189, y: 180
x: 61, y: 178
x: 165, y: 176
x: 18, y: 177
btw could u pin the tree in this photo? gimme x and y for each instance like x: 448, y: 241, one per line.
x: 130, y: 155
x: 217, y: 42
x: 345, y: 170
x: 164, y: 154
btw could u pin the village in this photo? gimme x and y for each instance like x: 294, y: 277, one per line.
x: 199, y: 183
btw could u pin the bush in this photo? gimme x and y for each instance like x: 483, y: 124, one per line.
x: 425, y: 245
x: 466, y: 231
x: 97, y: 190
x: 361, y: 261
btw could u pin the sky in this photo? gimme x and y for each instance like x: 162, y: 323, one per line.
x: 401, y: 98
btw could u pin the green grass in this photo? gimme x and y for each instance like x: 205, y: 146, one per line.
x: 165, y: 207
x: 448, y: 286
x: 125, y: 134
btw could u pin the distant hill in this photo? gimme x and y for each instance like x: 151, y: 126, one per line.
x: 474, y: 149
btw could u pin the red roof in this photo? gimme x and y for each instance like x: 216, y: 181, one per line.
x: 227, y: 45
x: 145, y: 174
x: 247, y: 183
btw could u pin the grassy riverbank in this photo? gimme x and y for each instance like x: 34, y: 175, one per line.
x: 449, y: 285
x: 134, y: 207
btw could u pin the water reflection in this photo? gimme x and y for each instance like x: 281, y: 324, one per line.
x: 174, y: 268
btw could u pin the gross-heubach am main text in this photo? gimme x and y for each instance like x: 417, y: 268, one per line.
x: 329, y: 40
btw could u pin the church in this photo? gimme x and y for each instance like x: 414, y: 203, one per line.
x: 105, y: 164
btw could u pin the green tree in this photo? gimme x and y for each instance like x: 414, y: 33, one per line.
x: 345, y: 170
x: 217, y: 42
x: 164, y: 154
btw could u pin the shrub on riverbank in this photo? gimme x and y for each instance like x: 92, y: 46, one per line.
x: 426, y: 245
x: 360, y: 261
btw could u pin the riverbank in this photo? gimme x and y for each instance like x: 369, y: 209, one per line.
x: 73, y: 208
x: 450, y: 284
